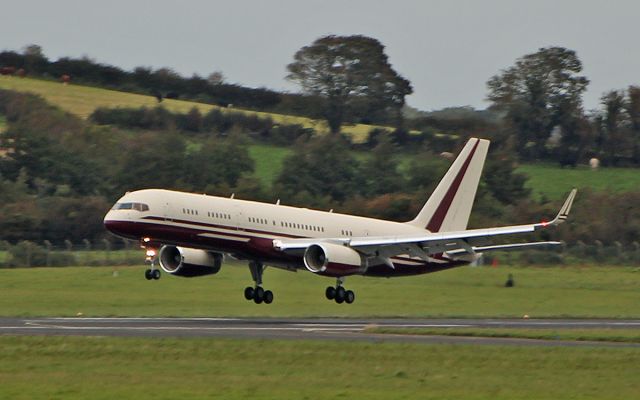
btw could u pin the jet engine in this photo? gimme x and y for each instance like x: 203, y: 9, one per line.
x: 186, y: 262
x: 333, y: 260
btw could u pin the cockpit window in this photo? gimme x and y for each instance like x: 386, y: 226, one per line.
x: 131, y: 206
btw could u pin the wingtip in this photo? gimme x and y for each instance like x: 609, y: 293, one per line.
x: 566, y: 207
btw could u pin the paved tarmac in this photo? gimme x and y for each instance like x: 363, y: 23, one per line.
x: 294, y: 328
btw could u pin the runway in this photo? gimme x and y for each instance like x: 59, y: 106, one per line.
x: 311, y: 329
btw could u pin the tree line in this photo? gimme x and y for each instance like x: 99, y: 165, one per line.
x: 536, y: 109
x: 61, y: 174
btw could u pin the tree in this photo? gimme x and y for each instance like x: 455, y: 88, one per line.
x: 344, y: 70
x: 381, y: 170
x: 323, y: 167
x: 537, y: 94
x: 216, y: 78
x: 217, y: 163
x: 632, y: 107
x: 35, y: 60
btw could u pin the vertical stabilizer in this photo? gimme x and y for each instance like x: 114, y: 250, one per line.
x: 449, y: 207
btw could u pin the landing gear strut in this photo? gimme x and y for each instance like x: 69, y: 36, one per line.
x: 153, y: 272
x: 339, y: 294
x: 257, y: 293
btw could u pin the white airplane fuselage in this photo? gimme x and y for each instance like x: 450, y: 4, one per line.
x: 247, y: 229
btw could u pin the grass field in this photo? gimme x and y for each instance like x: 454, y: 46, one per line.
x: 268, y: 161
x: 553, y: 182
x: 3, y: 123
x: 83, y: 100
x: 472, y: 292
x: 107, y: 368
x: 604, y: 335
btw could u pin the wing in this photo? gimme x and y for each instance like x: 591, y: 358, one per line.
x: 424, y: 244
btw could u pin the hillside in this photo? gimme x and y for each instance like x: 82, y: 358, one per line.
x: 554, y: 182
x: 544, y: 179
x: 83, y: 100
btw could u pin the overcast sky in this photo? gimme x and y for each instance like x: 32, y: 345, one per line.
x: 447, y: 49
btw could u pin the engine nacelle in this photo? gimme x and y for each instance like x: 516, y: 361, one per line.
x: 186, y: 262
x: 333, y: 260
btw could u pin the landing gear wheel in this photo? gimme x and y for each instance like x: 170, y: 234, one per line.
x: 330, y: 293
x: 249, y: 293
x: 258, y: 295
x: 340, y: 295
x: 349, y: 296
x: 148, y: 274
x: 268, y: 297
x: 155, y: 274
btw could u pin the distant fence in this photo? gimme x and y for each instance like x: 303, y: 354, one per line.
x: 126, y: 252
x: 571, y: 254
x: 45, y: 254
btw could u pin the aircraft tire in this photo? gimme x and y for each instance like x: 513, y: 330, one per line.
x: 249, y: 293
x: 155, y: 274
x: 330, y: 293
x: 268, y: 297
x: 349, y: 296
x: 147, y: 275
x: 340, y: 295
x: 258, y: 295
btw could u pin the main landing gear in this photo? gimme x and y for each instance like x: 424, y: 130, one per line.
x: 339, y: 294
x: 257, y: 293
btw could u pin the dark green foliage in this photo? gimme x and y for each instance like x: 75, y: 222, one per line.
x: 323, y: 167
x: 153, y: 161
x: 160, y: 119
x: 537, y: 94
x: 217, y: 163
x: 349, y: 73
x: 157, y: 118
x: 502, y: 181
x: 60, y: 175
x: 380, y: 171
x: 286, y: 135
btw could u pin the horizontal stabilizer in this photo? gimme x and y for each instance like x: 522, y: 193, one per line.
x: 504, y: 247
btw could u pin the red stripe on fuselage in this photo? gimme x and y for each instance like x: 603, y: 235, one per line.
x: 256, y: 248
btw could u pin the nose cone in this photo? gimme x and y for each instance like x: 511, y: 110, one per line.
x: 109, y: 222
x: 118, y: 226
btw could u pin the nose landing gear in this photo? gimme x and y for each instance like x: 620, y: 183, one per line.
x: 152, y: 273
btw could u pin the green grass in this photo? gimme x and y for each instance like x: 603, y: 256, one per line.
x: 142, y: 368
x: 466, y: 292
x: 83, y: 100
x: 604, y: 335
x: 554, y: 182
x: 269, y: 161
x: 3, y: 123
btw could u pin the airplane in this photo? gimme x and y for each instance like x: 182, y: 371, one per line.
x: 190, y: 235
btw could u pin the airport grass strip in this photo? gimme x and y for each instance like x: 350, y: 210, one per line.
x: 599, y: 335
x: 39, y: 367
x: 542, y: 292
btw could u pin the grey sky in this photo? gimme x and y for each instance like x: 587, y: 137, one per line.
x: 447, y: 49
